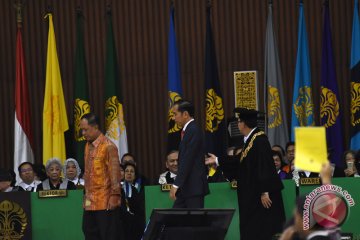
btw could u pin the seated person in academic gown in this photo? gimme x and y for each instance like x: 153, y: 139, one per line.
x: 54, y: 182
x: 132, y: 205
x: 140, y: 180
x: 349, y: 163
x: 72, y: 172
x: 279, y: 164
x: 27, y: 175
x: 169, y: 176
x: 5, y: 181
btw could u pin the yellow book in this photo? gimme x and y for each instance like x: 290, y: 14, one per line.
x: 310, y: 148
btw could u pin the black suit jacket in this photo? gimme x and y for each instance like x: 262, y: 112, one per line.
x: 191, y: 177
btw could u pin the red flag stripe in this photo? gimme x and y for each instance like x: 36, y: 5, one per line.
x: 22, y: 106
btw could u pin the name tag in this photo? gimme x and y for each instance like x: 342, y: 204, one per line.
x: 166, y: 187
x: 52, y: 193
x: 310, y: 181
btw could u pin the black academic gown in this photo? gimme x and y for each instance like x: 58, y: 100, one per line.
x: 256, y: 174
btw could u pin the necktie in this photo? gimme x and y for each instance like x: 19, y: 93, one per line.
x: 182, y: 134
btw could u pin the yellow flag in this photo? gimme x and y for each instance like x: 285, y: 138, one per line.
x: 55, y: 121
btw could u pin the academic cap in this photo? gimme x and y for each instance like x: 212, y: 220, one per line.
x: 246, y: 114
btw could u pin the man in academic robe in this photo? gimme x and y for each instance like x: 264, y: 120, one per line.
x: 190, y: 185
x: 259, y: 187
x: 27, y: 175
x: 169, y: 176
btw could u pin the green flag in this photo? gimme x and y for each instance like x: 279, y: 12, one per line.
x: 81, y: 96
x: 114, y: 114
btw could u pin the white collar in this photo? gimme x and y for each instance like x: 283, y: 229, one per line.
x: 9, y: 189
x: 247, y: 136
x: 186, y: 124
x: 26, y: 186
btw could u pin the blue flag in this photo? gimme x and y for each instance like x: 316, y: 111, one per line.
x: 174, y: 85
x: 355, y: 80
x: 330, y: 116
x: 303, y: 107
x: 215, y: 133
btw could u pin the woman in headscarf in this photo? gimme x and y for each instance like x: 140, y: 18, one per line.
x: 53, y: 170
x: 72, y: 172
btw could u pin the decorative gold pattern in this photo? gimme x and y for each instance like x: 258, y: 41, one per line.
x: 329, y: 106
x: 52, y: 114
x: 114, y: 118
x: 274, y: 107
x: 246, y: 89
x: 304, y: 106
x: 355, y: 103
x: 247, y: 149
x: 81, y: 108
x: 13, y: 220
x: 173, y: 97
x: 214, y: 111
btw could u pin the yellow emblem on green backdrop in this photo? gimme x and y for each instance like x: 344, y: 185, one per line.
x: 81, y: 108
x: 114, y: 118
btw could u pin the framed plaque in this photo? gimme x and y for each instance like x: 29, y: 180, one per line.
x: 246, y: 89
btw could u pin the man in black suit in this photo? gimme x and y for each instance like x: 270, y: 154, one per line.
x: 190, y: 186
x: 259, y: 187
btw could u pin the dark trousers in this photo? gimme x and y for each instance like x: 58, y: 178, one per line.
x: 192, y: 202
x: 102, y: 225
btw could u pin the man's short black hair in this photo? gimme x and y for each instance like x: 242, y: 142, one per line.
x: 248, y: 116
x: 281, y: 148
x: 127, y: 154
x: 276, y: 153
x: 171, y: 152
x: 185, y: 106
x: 288, y: 145
x: 22, y: 164
x: 251, y: 123
x: 125, y: 165
x: 92, y: 119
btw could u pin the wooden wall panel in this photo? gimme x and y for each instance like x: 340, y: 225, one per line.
x: 141, y: 28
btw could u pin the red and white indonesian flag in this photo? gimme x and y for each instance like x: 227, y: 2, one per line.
x: 22, y: 128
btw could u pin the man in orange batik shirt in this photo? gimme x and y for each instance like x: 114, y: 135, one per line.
x: 101, y: 219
